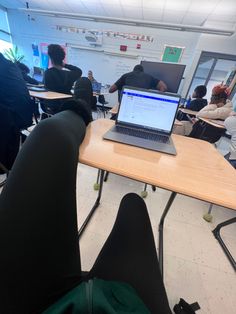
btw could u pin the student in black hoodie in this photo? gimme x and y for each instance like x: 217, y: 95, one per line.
x: 60, y: 77
x: 196, y: 104
x: 16, y: 110
x: 25, y: 73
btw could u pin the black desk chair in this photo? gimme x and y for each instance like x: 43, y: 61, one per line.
x: 40, y: 256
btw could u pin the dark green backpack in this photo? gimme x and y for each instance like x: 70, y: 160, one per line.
x: 99, y: 297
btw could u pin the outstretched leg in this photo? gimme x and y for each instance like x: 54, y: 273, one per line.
x: 129, y: 255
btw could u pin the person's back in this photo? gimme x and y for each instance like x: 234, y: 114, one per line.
x: 198, y: 102
x: 140, y: 79
x: 219, y: 107
x: 14, y: 93
x: 61, y: 77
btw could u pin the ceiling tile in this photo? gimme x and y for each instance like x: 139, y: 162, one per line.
x: 206, y: 6
x: 172, y: 17
x: 133, y: 13
x: 133, y: 3
x: 193, y: 19
x: 152, y: 15
x: 177, y: 5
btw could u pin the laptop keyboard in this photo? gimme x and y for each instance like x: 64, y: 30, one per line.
x: 143, y: 134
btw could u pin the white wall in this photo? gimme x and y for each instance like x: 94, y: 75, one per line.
x: 26, y: 32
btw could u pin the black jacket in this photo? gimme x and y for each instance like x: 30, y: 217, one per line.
x: 14, y: 93
x: 61, y: 81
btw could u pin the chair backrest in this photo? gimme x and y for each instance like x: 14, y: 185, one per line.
x: 83, y: 90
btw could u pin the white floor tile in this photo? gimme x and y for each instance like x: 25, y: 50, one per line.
x: 195, y: 266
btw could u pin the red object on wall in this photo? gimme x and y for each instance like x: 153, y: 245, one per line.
x: 123, y: 48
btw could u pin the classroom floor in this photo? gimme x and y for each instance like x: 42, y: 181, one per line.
x: 195, y: 265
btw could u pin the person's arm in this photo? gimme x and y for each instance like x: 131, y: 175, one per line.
x: 206, y: 112
x: 230, y: 124
x: 118, y: 84
x: 161, y: 86
x: 113, y: 88
x: 72, y: 68
x: 30, y: 80
x: 212, y: 112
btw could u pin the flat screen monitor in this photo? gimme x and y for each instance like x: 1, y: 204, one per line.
x: 170, y: 73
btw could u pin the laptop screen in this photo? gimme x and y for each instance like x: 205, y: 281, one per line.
x: 148, y: 109
x: 96, y: 87
x: 38, y: 74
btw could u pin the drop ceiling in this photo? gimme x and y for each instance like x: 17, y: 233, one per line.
x: 207, y: 13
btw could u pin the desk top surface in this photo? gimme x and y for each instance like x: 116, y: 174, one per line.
x: 217, y: 123
x: 49, y: 95
x: 188, y: 111
x: 198, y: 170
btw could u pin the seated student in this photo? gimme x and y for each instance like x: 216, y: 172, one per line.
x: 138, y: 78
x: 40, y: 256
x: 230, y: 124
x: 16, y: 108
x: 196, y: 104
x: 101, y: 98
x: 60, y: 77
x: 25, y: 73
x: 219, y: 107
x: 14, y: 93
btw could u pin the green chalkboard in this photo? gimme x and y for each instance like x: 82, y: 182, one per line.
x: 172, y: 54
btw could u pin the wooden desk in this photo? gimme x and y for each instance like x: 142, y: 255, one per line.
x: 187, y: 111
x: 216, y: 123
x: 114, y: 110
x: 198, y: 170
x: 49, y: 95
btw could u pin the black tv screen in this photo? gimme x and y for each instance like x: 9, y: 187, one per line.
x: 170, y: 73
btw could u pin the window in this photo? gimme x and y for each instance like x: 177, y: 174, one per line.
x: 212, y: 69
x: 4, y: 26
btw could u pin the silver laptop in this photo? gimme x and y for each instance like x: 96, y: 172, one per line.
x: 145, y: 119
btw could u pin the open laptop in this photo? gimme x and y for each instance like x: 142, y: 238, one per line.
x: 145, y: 119
x: 96, y: 87
x: 38, y: 74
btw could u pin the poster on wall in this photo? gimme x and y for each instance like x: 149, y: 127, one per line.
x: 172, y: 53
x: 44, y: 60
x: 36, y: 57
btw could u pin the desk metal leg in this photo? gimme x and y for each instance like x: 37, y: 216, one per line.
x: 217, y: 235
x: 95, y: 206
x: 161, y: 229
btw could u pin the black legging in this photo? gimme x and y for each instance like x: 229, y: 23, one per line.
x: 40, y: 258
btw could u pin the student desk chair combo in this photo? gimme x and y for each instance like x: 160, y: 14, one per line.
x: 198, y: 170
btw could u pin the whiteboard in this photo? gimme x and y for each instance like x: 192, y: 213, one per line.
x: 107, y: 69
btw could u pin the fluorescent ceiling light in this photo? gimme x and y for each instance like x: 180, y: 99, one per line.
x: 133, y: 22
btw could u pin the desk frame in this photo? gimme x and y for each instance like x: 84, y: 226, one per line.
x: 226, y: 187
